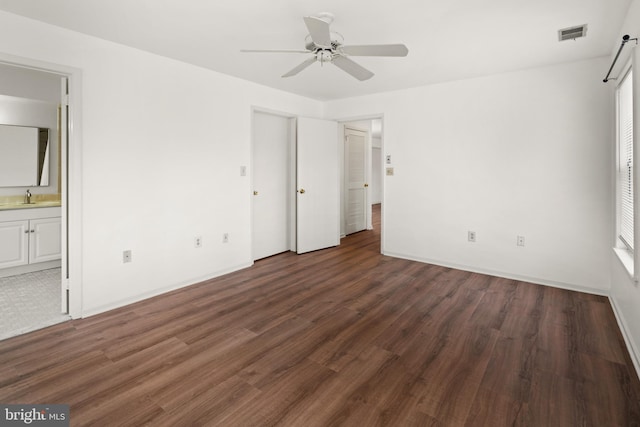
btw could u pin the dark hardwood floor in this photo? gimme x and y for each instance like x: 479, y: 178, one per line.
x: 343, y: 336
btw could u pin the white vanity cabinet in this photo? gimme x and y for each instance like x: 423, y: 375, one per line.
x: 31, y: 238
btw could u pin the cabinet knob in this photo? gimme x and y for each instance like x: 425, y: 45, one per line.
x: 27, y: 231
x: 32, y: 231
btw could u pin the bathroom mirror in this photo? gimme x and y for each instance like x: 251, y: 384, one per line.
x: 24, y: 156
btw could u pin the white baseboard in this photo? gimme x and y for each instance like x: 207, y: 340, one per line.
x: 520, y: 278
x: 92, y: 311
x: 632, y: 348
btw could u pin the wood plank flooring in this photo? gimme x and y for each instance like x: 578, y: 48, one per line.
x: 343, y: 336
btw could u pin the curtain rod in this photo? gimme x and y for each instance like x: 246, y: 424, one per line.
x: 625, y: 39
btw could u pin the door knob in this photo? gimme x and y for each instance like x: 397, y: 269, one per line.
x: 302, y: 191
x: 255, y: 193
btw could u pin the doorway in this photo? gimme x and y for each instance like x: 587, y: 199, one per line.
x: 362, y: 177
x: 37, y: 290
x: 295, y: 184
x: 356, y: 200
x: 273, y: 186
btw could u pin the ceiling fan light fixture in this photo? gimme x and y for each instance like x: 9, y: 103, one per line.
x: 324, y: 56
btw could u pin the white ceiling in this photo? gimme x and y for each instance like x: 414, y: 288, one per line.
x: 447, y: 39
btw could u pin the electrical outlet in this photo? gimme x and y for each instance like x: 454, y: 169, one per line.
x: 388, y: 159
x: 197, y: 242
x: 126, y: 256
x: 225, y: 238
x: 471, y: 236
x: 520, y: 241
x: 389, y: 171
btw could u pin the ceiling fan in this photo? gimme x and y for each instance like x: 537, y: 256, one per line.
x: 327, y: 46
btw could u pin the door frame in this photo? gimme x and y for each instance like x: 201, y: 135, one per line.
x: 71, y: 190
x: 342, y: 123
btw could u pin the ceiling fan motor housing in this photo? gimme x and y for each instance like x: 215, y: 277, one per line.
x: 336, y: 42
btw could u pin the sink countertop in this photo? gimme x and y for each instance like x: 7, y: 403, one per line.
x: 33, y: 205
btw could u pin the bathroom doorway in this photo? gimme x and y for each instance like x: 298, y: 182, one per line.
x: 33, y: 211
x: 362, y: 176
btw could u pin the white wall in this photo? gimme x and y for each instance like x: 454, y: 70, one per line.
x: 523, y: 153
x: 625, y: 294
x: 163, y: 142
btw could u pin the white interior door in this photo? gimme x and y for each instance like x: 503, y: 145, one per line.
x: 355, y: 176
x: 271, y: 185
x: 318, y: 188
x: 376, y: 175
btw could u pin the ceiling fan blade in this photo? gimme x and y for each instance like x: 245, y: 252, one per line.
x: 300, y: 67
x: 319, y: 31
x: 376, y: 50
x: 356, y: 70
x: 274, y: 51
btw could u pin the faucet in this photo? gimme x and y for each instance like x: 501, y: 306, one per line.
x: 27, y: 197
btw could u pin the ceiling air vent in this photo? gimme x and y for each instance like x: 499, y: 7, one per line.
x: 572, y: 33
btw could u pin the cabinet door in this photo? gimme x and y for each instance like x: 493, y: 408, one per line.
x: 14, y: 242
x: 45, y: 240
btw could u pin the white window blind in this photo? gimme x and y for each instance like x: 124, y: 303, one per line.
x: 625, y: 165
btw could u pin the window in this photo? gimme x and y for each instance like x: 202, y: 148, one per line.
x: 625, y: 160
